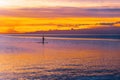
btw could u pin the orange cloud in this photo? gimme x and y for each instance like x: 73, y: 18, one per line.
x: 20, y: 25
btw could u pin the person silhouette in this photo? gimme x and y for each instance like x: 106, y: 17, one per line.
x: 43, y: 39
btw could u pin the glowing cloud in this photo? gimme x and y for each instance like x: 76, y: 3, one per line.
x: 34, y: 15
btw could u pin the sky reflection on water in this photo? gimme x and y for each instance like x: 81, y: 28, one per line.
x: 59, y: 59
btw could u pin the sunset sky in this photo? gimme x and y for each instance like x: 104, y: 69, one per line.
x: 36, y: 15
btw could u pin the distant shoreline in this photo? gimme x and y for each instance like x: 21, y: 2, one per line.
x: 105, y: 30
x: 96, y: 36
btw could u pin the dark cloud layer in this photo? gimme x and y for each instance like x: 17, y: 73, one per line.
x: 61, y: 12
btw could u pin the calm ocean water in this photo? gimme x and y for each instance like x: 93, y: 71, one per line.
x: 64, y: 57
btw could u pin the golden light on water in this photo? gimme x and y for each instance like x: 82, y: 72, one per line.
x: 89, y: 50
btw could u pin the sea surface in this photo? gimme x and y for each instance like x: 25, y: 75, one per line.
x: 61, y: 57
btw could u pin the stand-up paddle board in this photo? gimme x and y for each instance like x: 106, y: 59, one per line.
x: 42, y: 42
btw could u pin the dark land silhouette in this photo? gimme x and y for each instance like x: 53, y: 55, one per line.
x: 110, y: 30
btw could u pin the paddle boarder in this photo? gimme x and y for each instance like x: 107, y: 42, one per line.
x: 43, y: 39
